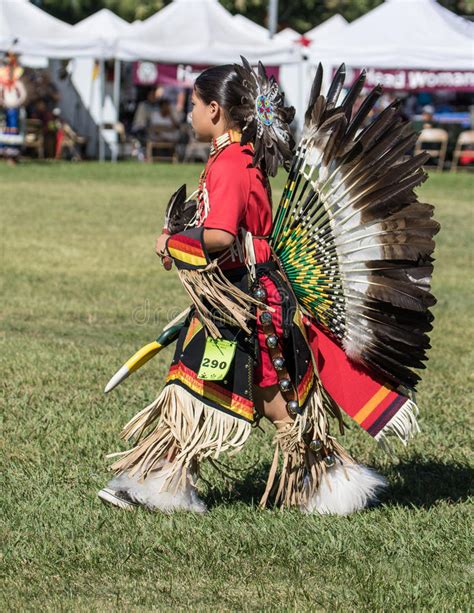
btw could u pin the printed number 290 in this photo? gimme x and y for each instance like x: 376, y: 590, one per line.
x: 213, y: 363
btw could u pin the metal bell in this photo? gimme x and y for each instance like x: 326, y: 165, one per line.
x: 272, y: 341
x: 259, y: 293
x: 278, y: 362
x: 330, y: 460
x: 266, y: 317
x: 316, y: 445
x: 292, y: 407
x: 285, y: 385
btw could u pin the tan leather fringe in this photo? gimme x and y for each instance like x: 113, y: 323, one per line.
x: 216, y: 299
x: 302, y: 468
x: 182, y: 424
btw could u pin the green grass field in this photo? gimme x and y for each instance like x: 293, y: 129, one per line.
x: 82, y: 290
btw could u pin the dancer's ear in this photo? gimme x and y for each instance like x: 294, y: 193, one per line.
x: 214, y: 111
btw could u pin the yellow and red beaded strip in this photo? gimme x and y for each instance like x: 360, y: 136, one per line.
x: 186, y: 249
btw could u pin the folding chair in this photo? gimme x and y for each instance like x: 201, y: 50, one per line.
x: 466, y: 138
x: 163, y: 146
x: 433, y: 136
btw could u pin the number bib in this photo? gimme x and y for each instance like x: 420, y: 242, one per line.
x: 217, y: 358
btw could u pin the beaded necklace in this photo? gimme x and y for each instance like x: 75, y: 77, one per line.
x: 223, y: 141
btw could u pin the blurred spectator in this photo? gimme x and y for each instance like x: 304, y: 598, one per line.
x: 155, y: 119
x: 427, y: 117
x: 164, y: 121
x: 67, y: 140
x: 39, y: 110
x: 143, y: 113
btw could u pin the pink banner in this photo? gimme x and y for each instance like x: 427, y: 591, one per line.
x: 416, y: 80
x: 184, y: 75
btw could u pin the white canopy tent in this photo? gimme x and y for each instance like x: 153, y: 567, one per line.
x: 103, y: 23
x: 402, y: 34
x: 251, y: 26
x: 326, y: 29
x: 200, y: 32
x: 31, y: 32
x: 26, y: 29
x: 106, y: 26
x: 322, y: 31
x: 288, y: 35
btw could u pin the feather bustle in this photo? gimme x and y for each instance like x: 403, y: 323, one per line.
x: 350, y: 233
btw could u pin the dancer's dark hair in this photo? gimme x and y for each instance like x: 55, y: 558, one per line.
x: 219, y: 84
x: 254, y: 104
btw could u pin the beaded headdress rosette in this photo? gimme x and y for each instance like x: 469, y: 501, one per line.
x: 264, y: 118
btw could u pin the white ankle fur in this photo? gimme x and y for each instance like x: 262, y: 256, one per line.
x: 152, y: 492
x: 338, y: 495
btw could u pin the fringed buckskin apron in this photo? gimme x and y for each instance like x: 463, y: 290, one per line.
x: 194, y: 419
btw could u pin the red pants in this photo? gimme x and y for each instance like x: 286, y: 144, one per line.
x: 265, y: 374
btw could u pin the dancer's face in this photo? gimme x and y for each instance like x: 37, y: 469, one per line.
x: 205, y: 118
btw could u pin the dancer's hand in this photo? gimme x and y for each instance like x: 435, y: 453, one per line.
x: 160, y: 249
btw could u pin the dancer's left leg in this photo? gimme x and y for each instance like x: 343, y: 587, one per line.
x: 312, y: 479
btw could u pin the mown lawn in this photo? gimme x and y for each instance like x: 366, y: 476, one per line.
x: 81, y: 290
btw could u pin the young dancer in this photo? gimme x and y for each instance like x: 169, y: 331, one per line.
x: 321, y: 312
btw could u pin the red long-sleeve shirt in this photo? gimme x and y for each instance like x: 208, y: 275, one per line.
x: 238, y: 197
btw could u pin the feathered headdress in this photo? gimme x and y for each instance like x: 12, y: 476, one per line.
x: 264, y: 118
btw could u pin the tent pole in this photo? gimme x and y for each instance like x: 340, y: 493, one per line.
x: 117, y: 75
x: 272, y: 17
x: 101, y: 110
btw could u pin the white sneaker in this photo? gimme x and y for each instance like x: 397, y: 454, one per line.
x: 117, y: 499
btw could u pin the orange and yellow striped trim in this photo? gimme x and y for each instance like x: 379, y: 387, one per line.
x: 372, y: 404
x: 212, y: 391
x: 187, y: 250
